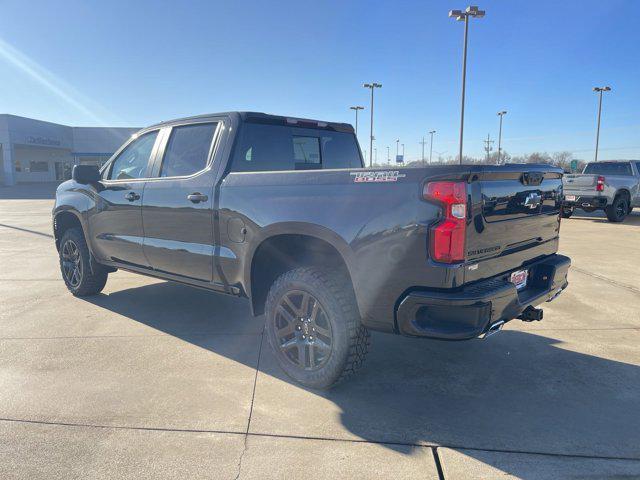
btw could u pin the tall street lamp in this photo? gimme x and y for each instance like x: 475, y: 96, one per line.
x: 397, y: 147
x: 423, y: 143
x: 599, y: 90
x: 372, y: 87
x: 460, y: 15
x: 356, y: 108
x: 500, y: 114
x: 388, y: 157
x: 431, y: 147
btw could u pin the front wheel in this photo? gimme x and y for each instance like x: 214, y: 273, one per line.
x: 617, y: 211
x: 75, y: 264
x: 314, y: 328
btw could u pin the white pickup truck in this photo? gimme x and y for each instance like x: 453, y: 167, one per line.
x: 612, y: 186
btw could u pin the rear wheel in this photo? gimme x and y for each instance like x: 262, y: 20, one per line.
x: 314, y: 328
x: 617, y: 211
x: 75, y: 264
x: 566, y: 212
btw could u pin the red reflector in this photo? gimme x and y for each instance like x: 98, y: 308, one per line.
x: 447, y: 238
x: 600, y: 184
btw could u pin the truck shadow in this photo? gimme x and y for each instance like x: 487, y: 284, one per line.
x: 598, y: 217
x: 516, y: 391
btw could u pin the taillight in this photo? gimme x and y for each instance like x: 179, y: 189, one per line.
x: 600, y: 184
x: 447, y: 237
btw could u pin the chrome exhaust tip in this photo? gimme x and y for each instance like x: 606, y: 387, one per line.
x: 493, y: 328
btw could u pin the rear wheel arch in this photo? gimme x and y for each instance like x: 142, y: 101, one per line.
x: 283, y: 252
x: 624, y: 192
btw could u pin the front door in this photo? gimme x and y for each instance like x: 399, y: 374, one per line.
x: 177, y: 209
x: 116, y: 225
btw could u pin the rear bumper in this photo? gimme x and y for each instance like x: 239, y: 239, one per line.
x: 467, y: 313
x: 587, y: 201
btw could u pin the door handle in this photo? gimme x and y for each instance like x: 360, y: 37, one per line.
x: 197, y: 197
x: 132, y: 196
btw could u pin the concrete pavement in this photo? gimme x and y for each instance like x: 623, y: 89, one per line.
x: 152, y: 379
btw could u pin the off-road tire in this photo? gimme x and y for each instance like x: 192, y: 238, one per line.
x: 617, y: 211
x: 350, y: 339
x: 92, y: 278
x: 566, y: 212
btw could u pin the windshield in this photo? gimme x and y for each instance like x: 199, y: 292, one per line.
x: 608, y: 168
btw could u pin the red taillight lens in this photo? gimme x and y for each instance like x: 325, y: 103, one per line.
x: 447, y: 238
x: 600, y: 184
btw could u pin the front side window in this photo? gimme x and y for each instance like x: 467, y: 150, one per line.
x: 133, y: 160
x: 187, y: 151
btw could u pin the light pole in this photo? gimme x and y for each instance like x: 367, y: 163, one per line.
x: 500, y: 114
x: 460, y: 15
x: 356, y: 108
x: 388, y: 157
x: 397, y: 148
x: 423, y: 143
x: 431, y: 147
x: 599, y: 90
x: 372, y: 86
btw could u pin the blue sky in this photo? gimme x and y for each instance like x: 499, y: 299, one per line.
x: 135, y: 63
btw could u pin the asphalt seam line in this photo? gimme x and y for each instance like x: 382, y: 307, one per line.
x: 436, y: 459
x: 606, y: 279
x: 253, y: 396
x: 327, y: 439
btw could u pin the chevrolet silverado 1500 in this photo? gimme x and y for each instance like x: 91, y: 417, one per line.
x: 281, y: 211
x: 610, y: 186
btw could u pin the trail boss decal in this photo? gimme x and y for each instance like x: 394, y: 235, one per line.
x: 375, y: 177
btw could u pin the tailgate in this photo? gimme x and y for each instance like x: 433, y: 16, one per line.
x: 514, y: 208
x: 580, y: 183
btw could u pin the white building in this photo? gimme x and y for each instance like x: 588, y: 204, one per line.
x: 36, y: 151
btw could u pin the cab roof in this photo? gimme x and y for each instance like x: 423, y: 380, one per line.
x: 265, y: 118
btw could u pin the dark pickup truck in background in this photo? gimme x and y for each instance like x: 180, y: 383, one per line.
x: 280, y: 210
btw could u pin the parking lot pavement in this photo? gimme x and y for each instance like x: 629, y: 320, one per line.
x: 152, y: 379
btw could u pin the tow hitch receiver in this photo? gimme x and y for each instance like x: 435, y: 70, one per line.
x: 530, y: 314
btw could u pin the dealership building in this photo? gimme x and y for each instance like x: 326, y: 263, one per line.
x: 36, y: 151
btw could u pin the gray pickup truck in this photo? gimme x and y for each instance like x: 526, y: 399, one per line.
x: 610, y: 186
x: 280, y: 210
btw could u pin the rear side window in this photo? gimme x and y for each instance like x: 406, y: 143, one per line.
x: 187, y: 150
x: 263, y: 148
x: 611, y: 168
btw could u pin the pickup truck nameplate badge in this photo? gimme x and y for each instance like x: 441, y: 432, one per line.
x: 375, y: 177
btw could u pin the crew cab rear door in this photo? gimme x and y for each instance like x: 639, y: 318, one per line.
x: 177, y: 211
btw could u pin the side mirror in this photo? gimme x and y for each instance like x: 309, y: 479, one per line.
x: 86, y: 174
